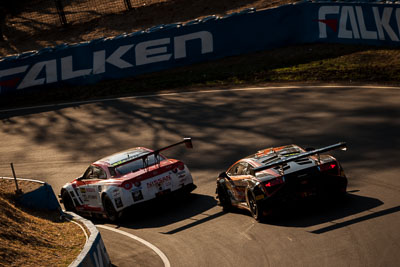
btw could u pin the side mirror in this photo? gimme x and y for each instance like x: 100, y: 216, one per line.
x: 224, y: 175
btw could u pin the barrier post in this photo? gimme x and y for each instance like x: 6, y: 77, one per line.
x: 61, y: 13
x: 18, y: 191
x: 128, y: 4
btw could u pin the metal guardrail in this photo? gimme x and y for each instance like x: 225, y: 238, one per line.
x: 94, y: 252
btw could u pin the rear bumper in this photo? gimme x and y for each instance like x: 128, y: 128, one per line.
x: 324, y: 188
x: 188, y: 188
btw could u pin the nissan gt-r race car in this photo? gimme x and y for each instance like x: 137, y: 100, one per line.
x: 277, y: 176
x: 127, y: 178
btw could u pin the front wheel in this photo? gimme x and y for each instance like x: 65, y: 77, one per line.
x: 224, y: 199
x: 254, y: 207
x: 67, y: 201
x: 109, y: 209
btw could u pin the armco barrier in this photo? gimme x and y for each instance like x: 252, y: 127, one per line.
x: 41, y: 198
x: 94, y: 253
x: 169, y: 46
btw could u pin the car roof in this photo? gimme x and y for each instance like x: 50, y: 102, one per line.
x: 123, y: 156
x: 268, y: 155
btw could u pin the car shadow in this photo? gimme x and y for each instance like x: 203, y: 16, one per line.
x: 320, y: 212
x: 162, y: 212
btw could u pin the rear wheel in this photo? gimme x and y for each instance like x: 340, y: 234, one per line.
x: 67, y: 201
x: 111, y: 213
x: 224, y: 199
x: 254, y: 207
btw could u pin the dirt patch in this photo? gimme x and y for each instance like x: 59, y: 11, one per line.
x: 33, y: 238
x: 142, y: 17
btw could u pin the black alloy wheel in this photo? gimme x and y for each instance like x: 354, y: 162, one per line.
x: 255, y: 209
x: 111, y: 213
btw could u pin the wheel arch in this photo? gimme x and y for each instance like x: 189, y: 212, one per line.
x: 71, y: 199
x: 103, y: 195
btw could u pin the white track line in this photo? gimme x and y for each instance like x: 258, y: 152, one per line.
x: 83, y: 229
x: 23, y: 179
x: 199, y: 92
x: 144, y: 242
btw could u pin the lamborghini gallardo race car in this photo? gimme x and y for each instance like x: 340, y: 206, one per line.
x: 127, y: 178
x: 278, y: 176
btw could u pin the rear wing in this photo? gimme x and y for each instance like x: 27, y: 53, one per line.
x: 187, y: 141
x: 341, y: 145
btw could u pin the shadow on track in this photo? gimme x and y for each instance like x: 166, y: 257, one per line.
x: 316, y: 213
x: 162, y: 212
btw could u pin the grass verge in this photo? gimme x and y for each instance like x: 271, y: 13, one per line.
x: 33, y: 238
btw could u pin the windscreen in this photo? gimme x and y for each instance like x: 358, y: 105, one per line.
x: 138, y: 164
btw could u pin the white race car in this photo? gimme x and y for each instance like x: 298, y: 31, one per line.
x: 126, y: 178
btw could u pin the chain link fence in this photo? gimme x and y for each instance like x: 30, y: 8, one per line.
x: 37, y: 15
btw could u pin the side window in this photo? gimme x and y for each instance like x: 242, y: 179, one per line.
x: 232, y: 170
x: 88, y: 173
x: 98, y: 173
x: 238, y: 169
x: 94, y: 172
x: 247, y: 169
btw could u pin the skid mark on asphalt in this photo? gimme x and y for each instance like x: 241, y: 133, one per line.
x: 144, y: 242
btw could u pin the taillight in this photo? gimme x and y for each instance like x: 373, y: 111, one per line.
x: 274, y: 182
x: 181, y: 166
x: 330, y: 167
x: 271, y: 185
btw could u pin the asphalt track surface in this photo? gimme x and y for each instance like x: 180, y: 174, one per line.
x: 56, y: 144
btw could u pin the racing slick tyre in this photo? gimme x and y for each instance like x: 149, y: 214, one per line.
x: 224, y: 199
x: 254, y: 207
x: 109, y: 209
x: 67, y: 201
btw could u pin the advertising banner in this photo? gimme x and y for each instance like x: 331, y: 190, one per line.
x: 168, y: 46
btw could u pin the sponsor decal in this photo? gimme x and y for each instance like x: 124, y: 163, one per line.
x: 137, y: 195
x: 359, y: 22
x: 127, y: 186
x: 118, y: 202
x: 259, y: 197
x: 115, y: 193
x: 291, y: 154
x: 135, y: 189
x: 164, y: 180
x: 127, y: 56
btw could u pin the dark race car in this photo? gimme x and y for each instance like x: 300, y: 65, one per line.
x: 280, y: 175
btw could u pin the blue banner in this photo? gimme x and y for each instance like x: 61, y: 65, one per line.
x: 168, y: 46
x: 42, y: 198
